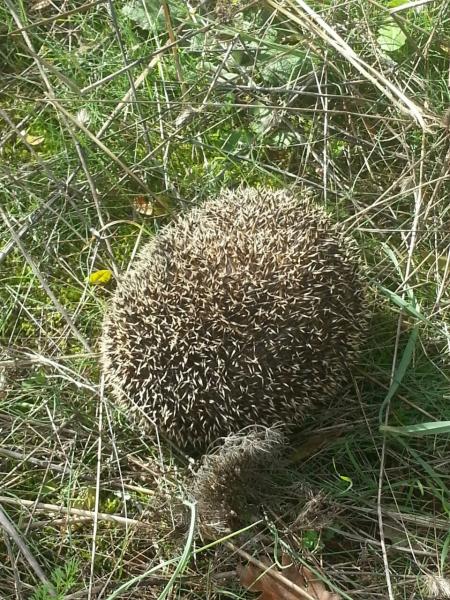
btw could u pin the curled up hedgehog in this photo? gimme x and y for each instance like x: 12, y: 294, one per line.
x: 245, y: 311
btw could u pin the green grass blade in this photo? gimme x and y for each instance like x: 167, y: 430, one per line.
x: 401, y: 370
x: 430, y: 428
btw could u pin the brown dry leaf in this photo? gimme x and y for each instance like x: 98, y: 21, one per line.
x: 143, y: 205
x: 291, y: 583
x: 157, y: 206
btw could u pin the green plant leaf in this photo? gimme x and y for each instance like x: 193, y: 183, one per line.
x: 391, y: 37
x: 399, y: 301
x: 148, y: 15
x: 394, y: 3
x: 276, y: 70
x: 310, y: 539
x: 34, y: 140
x: 145, y: 16
x: 429, y: 428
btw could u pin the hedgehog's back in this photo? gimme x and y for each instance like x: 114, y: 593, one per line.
x: 245, y: 311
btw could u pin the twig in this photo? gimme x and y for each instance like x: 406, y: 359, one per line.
x: 30, y: 221
x: 96, y: 200
x: 30, y: 459
x: 150, y: 57
x: 113, y: 17
x: 168, y: 19
x: 37, y: 59
x: 6, y: 524
x: 408, y: 5
x: 65, y: 372
x: 416, y: 520
x: 99, y: 143
x: 41, y: 506
x: 13, y: 560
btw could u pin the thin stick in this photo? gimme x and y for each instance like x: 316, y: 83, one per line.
x: 6, y: 524
x: 96, y: 200
x: 41, y: 506
x: 59, y: 16
x: 13, y: 561
x: 168, y: 19
x: 30, y: 459
x: 408, y: 5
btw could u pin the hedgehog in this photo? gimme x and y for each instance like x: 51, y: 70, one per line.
x: 246, y: 310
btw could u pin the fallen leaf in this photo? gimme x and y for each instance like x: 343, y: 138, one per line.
x: 291, y: 583
x: 34, y: 140
x: 391, y: 37
x: 143, y: 206
x: 158, y: 206
x: 100, y: 277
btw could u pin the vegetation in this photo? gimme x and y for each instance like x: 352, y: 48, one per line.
x: 115, y: 114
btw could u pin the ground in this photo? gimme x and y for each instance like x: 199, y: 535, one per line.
x: 114, y: 115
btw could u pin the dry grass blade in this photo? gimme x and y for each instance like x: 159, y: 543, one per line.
x: 173, y: 41
x: 54, y: 508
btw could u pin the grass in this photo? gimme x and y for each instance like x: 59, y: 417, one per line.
x: 108, y: 106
